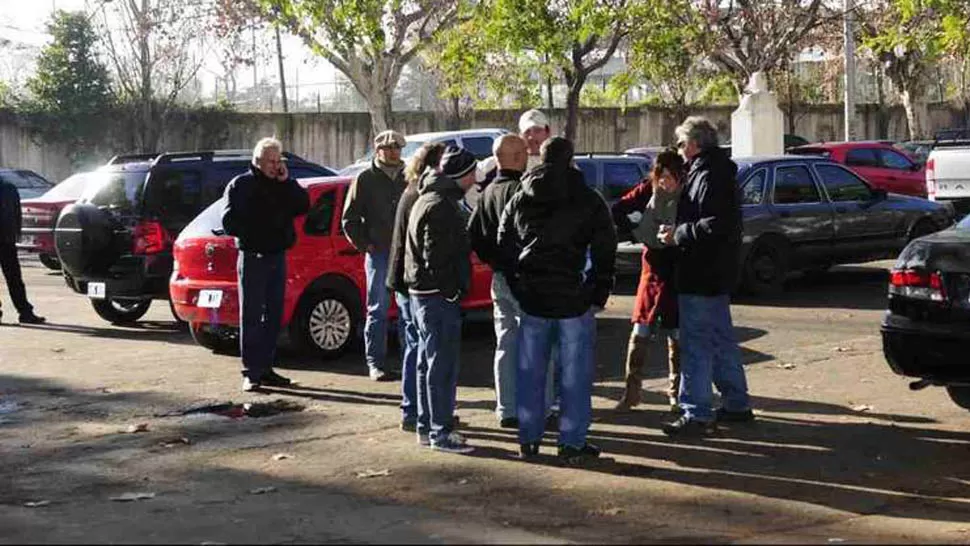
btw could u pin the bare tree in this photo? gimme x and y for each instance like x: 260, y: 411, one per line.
x: 748, y: 36
x: 155, y: 48
x: 369, y: 42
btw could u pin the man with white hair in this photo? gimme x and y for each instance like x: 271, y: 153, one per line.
x: 707, y: 235
x: 259, y: 212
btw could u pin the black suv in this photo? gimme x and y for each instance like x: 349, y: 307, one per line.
x: 115, y: 242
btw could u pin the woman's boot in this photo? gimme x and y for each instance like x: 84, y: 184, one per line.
x: 673, y: 377
x: 636, y: 355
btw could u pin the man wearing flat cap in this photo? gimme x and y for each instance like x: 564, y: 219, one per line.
x: 368, y: 222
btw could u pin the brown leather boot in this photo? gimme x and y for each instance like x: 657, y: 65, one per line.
x: 636, y: 355
x: 673, y: 377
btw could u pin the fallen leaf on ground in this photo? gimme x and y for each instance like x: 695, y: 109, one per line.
x: 607, y: 512
x: 787, y: 366
x: 134, y: 429
x: 842, y: 349
x: 462, y: 482
x: 862, y: 408
x: 57, y: 350
x: 37, y: 504
x: 172, y: 442
x: 282, y: 456
x: 262, y: 490
x: 129, y: 497
x: 836, y: 540
x: 373, y: 473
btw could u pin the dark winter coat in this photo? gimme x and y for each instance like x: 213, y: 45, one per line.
x: 370, y: 207
x: 708, y: 232
x: 11, y: 218
x: 436, y: 258
x: 484, y: 222
x: 259, y: 211
x: 548, y: 230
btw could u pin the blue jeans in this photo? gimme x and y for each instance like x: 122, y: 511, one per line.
x: 378, y: 302
x: 407, y: 332
x: 439, y: 350
x: 506, y: 313
x: 709, y: 353
x: 576, y: 343
x: 262, y: 282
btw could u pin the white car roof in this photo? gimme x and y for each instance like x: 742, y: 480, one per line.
x: 445, y: 135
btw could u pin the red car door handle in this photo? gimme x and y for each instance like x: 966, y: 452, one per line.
x: 349, y: 252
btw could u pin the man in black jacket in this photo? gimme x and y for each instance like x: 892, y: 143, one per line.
x: 557, y: 245
x: 437, y: 271
x: 260, y: 208
x: 708, y: 235
x: 511, y: 155
x: 11, y: 221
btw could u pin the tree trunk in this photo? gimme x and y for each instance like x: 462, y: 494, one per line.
x: 455, y: 114
x: 379, y: 105
x: 882, y: 114
x: 915, y: 112
x: 575, y: 83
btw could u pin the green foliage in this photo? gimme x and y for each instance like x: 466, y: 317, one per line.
x: 70, y: 91
x: 719, y: 90
x: 665, y: 52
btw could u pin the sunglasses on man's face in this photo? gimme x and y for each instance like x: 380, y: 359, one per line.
x: 682, y: 144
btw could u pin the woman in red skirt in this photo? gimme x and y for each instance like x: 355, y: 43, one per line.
x: 655, y: 309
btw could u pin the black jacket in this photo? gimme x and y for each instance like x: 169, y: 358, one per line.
x: 395, y: 261
x: 436, y: 257
x: 11, y: 219
x: 369, y: 208
x: 260, y: 211
x: 547, y: 231
x: 709, y: 226
x: 484, y: 222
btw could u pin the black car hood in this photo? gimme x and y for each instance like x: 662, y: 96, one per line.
x: 947, y: 250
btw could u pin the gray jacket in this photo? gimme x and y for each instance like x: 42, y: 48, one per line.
x: 369, y: 208
x: 661, y: 209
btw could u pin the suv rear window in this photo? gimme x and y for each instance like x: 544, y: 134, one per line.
x: 70, y: 188
x: 117, y: 189
x: 208, y: 223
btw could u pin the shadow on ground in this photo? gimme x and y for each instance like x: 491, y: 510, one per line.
x: 879, y: 466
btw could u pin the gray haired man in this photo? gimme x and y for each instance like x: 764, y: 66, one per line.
x: 708, y: 235
x: 259, y: 212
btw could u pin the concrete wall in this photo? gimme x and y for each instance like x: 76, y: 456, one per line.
x: 338, y: 139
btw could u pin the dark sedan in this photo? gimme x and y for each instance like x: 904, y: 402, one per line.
x: 926, y: 331
x: 809, y: 213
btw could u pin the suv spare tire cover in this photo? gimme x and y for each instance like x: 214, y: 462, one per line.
x: 84, y: 239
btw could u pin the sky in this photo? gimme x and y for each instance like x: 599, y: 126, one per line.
x: 23, y: 22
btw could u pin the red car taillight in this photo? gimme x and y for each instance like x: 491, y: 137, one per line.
x: 916, y: 284
x: 931, y: 180
x: 149, y: 238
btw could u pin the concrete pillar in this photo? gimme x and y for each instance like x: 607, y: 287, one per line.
x: 758, y: 125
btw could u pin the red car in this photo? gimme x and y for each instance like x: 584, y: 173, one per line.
x: 325, y: 285
x: 40, y: 217
x: 880, y: 163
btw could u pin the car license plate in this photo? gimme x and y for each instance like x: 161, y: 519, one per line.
x: 96, y: 290
x: 210, y: 299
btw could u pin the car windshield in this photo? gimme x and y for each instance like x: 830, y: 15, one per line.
x: 207, y: 223
x: 70, y: 188
x: 115, y: 189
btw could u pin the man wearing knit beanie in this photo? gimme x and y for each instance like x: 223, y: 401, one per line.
x: 437, y: 271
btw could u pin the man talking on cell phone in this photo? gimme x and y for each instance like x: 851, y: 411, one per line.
x: 260, y: 208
